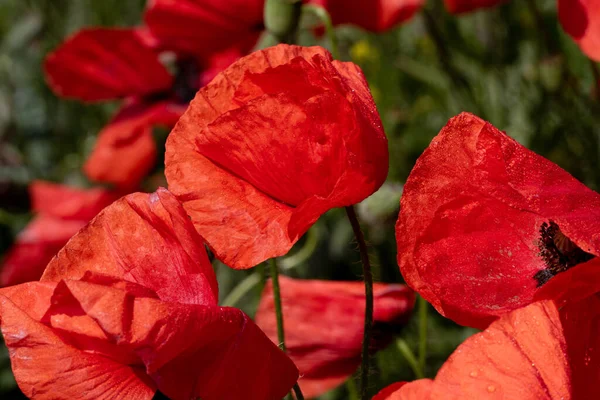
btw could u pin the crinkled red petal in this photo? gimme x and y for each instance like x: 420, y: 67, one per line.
x: 250, y: 202
x: 144, y: 238
x: 471, y: 217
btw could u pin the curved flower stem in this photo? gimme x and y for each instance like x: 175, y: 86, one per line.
x: 241, y: 289
x: 279, y: 316
x: 368, y: 277
x: 325, y: 18
x: 410, y: 357
x: 422, y: 332
x: 312, y: 239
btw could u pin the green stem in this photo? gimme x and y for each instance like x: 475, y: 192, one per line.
x: 368, y: 277
x: 277, y: 301
x: 422, y: 304
x: 410, y: 357
x: 279, y: 317
x: 242, y: 289
x: 312, y: 239
x: 596, y: 75
x: 322, y: 14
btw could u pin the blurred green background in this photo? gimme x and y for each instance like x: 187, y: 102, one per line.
x: 511, y: 65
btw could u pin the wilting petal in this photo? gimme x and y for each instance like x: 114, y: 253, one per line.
x: 523, y: 355
x: 251, y: 202
x: 47, y: 368
x: 485, y: 223
x: 463, y: 6
x: 216, y: 24
x: 143, y: 238
x: 125, y: 151
x: 103, y: 63
x: 376, y: 16
x: 581, y: 20
x: 324, y: 326
x: 62, y: 212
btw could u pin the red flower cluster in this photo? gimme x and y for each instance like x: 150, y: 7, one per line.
x: 280, y: 137
x: 129, y: 306
x: 61, y: 212
x: 324, y: 326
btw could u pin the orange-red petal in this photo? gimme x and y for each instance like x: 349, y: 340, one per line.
x: 46, y: 368
x: 270, y: 144
x: 464, y: 6
x: 143, y: 238
x: 581, y: 20
x: 103, y: 63
x: 523, y: 355
x: 324, y: 326
x: 472, y: 212
x: 417, y: 390
x: 125, y: 151
x: 376, y: 16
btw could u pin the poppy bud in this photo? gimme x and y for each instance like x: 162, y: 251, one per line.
x: 282, y: 17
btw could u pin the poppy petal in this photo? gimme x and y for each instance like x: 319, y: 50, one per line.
x: 134, y: 233
x: 218, y: 25
x: 478, y: 214
x: 520, y: 356
x: 417, y: 390
x: 62, y: 212
x: 103, y: 63
x: 581, y: 324
x: 67, y: 202
x: 47, y: 368
x: 581, y: 20
x: 375, y: 16
x: 248, y: 204
x: 232, y: 358
x: 464, y: 6
x: 125, y: 151
x: 35, y: 246
x: 324, y: 326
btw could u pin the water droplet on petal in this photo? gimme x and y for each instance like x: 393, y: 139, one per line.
x: 491, y: 388
x: 473, y: 374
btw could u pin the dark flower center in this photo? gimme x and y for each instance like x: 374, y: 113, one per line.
x: 558, y: 252
x: 187, y: 81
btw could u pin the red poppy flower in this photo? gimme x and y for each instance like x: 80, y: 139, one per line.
x: 324, y: 326
x: 129, y: 306
x: 375, y: 16
x: 581, y: 20
x: 222, y: 24
x: 61, y: 212
x: 533, y: 353
x: 274, y: 141
x: 464, y: 6
x: 103, y: 64
x: 487, y: 225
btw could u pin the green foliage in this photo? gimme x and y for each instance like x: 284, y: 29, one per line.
x: 510, y: 65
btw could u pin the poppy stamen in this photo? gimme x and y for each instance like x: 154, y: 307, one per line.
x: 558, y: 252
